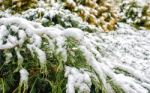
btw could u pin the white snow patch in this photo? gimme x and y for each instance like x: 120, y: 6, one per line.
x: 77, y: 79
x: 23, y: 75
x: 75, y: 33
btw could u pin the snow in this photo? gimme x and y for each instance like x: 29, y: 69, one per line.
x: 139, y: 2
x: 60, y: 44
x: 12, y: 39
x: 142, y: 2
x: 11, y: 42
x: 50, y: 31
x: 23, y: 75
x: 37, y: 40
x: 8, y: 57
x: 74, y: 33
x: 95, y: 65
x: 3, y: 32
x: 22, y: 36
x: 41, y: 55
x: 77, y: 80
x: 126, y: 49
x: 122, y: 55
x: 19, y: 56
x: 20, y: 22
x: 14, y: 28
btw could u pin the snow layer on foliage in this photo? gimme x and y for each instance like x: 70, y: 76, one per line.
x: 3, y: 32
x: 75, y: 33
x: 139, y: 2
x: 77, y: 79
x: 122, y: 57
x: 8, y: 57
x: 24, y: 75
x: 125, y: 50
x: 142, y: 2
x: 63, y: 16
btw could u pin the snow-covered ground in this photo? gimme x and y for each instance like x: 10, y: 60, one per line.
x: 124, y: 56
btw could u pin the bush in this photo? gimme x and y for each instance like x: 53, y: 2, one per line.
x: 136, y: 14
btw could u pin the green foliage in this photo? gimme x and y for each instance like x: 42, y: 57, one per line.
x: 116, y: 88
x: 135, y: 14
x: 67, y: 21
x: 49, y: 78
